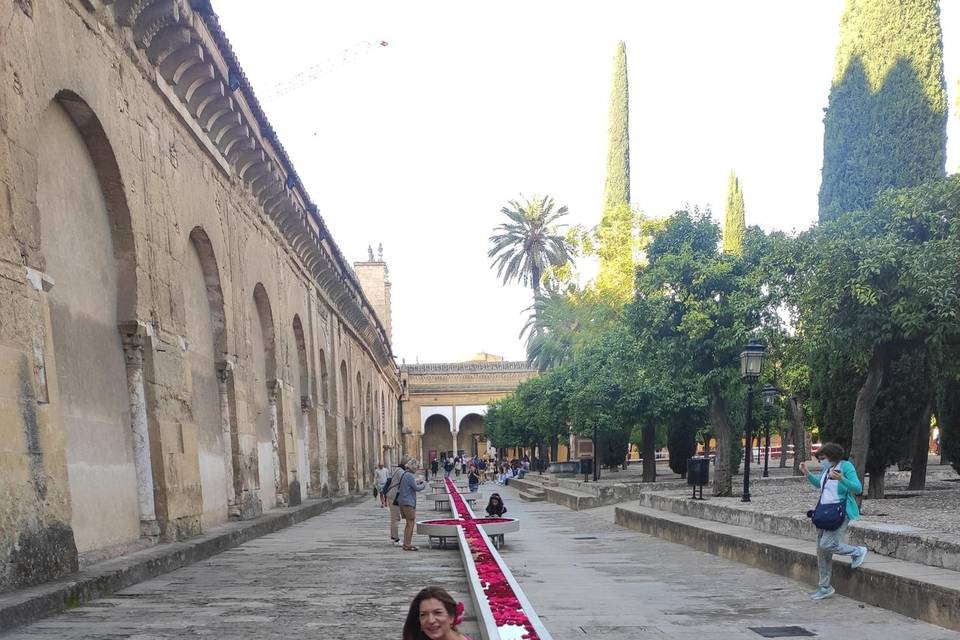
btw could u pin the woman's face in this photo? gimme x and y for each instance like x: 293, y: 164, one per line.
x: 435, y: 621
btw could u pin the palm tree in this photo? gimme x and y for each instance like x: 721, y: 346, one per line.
x: 531, y: 242
x: 551, y: 329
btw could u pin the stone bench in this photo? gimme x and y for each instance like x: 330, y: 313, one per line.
x: 443, y: 501
x: 444, y: 532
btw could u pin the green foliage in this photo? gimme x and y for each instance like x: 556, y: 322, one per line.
x: 885, y: 125
x: 562, y: 322
x: 735, y: 226
x: 696, y: 307
x: 530, y: 243
x: 617, y: 246
x: 880, y: 292
x: 536, y: 412
x: 616, y: 190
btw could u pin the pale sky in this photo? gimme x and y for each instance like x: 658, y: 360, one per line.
x: 420, y: 143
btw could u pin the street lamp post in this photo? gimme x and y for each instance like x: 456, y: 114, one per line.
x: 751, y: 364
x: 596, y: 455
x: 769, y: 395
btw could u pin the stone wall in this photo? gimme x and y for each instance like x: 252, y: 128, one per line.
x: 173, y: 310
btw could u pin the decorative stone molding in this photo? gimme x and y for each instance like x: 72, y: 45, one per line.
x: 518, y: 366
x: 192, y: 55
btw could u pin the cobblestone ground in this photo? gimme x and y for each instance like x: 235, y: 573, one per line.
x: 589, y: 578
x: 333, y: 577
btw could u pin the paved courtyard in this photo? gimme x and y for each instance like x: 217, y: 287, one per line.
x: 334, y: 577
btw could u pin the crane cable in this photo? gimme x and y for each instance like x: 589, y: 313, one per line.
x: 310, y: 74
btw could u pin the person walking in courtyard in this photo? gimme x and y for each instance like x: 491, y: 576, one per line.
x: 457, y: 466
x: 838, y: 484
x: 407, y: 501
x: 473, y: 479
x: 434, y: 615
x: 390, y: 492
x: 380, y: 475
x: 447, y: 467
x: 434, y: 467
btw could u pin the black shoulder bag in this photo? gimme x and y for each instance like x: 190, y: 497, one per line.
x: 828, y: 517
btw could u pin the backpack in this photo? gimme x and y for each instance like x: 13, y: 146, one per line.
x: 392, y: 490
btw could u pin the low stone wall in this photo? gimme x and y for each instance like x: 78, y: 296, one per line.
x: 901, y: 542
x: 916, y: 596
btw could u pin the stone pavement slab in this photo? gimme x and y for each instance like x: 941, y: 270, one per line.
x: 335, y: 576
x: 589, y: 578
x: 93, y: 581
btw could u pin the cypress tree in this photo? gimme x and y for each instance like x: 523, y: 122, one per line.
x: 615, y: 233
x: 885, y: 124
x: 735, y: 225
x: 616, y: 191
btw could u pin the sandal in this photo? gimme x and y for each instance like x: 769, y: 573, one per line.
x: 411, y: 548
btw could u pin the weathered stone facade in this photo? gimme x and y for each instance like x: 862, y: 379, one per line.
x: 444, y: 403
x: 180, y: 338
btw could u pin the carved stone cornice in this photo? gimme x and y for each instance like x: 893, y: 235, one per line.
x: 193, y: 56
x: 510, y: 366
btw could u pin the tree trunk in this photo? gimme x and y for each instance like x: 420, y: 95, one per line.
x: 798, y: 434
x: 785, y: 436
x: 866, y: 400
x: 720, y: 421
x: 554, y: 448
x: 875, y: 490
x: 921, y: 446
x: 649, y: 453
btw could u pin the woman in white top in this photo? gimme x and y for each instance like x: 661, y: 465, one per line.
x: 379, y: 479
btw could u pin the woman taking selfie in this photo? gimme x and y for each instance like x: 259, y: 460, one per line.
x: 433, y: 615
x: 838, y: 484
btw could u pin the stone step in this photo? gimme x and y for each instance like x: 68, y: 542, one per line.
x: 914, y: 590
x: 900, y: 542
x: 528, y: 496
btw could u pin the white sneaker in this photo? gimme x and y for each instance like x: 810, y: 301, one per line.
x: 823, y: 594
x: 859, y: 558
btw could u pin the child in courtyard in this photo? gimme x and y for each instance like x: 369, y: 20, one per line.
x: 495, y: 507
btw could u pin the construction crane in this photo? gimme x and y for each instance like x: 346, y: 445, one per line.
x: 310, y: 74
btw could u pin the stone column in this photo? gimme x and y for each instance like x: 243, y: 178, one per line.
x: 133, y: 336
x: 309, y: 476
x: 224, y: 374
x: 273, y: 388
